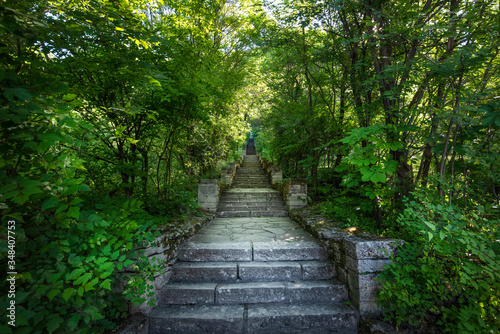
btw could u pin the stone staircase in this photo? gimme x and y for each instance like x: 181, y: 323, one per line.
x: 251, y: 194
x: 252, y: 270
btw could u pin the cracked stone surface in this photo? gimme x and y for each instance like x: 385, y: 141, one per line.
x: 252, y: 229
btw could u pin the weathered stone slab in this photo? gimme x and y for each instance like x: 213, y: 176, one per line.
x: 162, y: 279
x: 315, y: 291
x: 367, y: 308
x: 314, y: 270
x: 226, y: 252
x: 187, y: 293
x: 224, y: 319
x: 365, y: 287
x: 205, y: 271
x: 359, y: 248
x: 270, y: 271
x: 288, y: 251
x: 301, y: 318
x: 250, y: 293
x: 366, y: 266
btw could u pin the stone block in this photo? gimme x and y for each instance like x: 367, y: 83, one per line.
x: 189, y: 293
x: 270, y: 271
x: 367, y: 265
x: 315, y: 291
x: 317, y: 270
x: 367, y: 308
x: 341, y: 274
x: 162, y: 279
x: 205, y: 271
x: 210, y: 252
x: 363, y: 287
x: 359, y: 248
x: 250, y: 293
x: 224, y: 319
x: 288, y: 251
x: 301, y: 318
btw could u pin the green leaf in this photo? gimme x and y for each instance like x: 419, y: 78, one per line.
x: 83, y: 279
x: 74, y: 321
x: 378, y: 177
x: 51, y: 202
x: 430, y: 225
x: 54, y: 323
x: 53, y: 293
x: 74, y: 212
x: 75, y: 273
x: 106, y: 284
x: 68, y: 293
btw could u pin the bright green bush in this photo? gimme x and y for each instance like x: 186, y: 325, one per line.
x: 450, y: 270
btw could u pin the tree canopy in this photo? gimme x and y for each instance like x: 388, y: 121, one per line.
x: 111, y: 111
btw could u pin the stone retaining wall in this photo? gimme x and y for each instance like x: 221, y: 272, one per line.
x: 171, y: 237
x: 358, y: 257
x: 294, y: 190
x: 210, y: 190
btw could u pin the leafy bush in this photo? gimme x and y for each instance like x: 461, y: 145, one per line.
x: 449, y: 271
x: 349, y: 211
x: 67, y: 256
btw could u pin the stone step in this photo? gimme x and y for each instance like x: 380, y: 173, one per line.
x: 270, y: 206
x: 249, y: 185
x: 232, y: 214
x: 224, y: 201
x: 264, y: 197
x: 254, y: 319
x: 247, y: 178
x: 248, y: 251
x: 252, y: 292
x: 251, y: 271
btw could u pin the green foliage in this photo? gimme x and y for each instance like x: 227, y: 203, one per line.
x: 449, y: 269
x: 102, y: 106
x: 350, y: 211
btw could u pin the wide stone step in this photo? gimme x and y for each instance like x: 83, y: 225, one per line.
x: 233, y: 214
x: 247, y: 178
x: 251, y: 271
x: 273, y: 206
x: 249, y: 201
x: 247, y: 251
x: 252, y: 292
x: 254, y: 194
x: 254, y: 319
x: 251, y: 185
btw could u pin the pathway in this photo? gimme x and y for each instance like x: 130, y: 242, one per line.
x: 252, y: 270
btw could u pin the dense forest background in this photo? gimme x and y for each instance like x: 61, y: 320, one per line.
x: 111, y: 111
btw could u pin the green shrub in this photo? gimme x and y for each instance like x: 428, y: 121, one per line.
x: 450, y: 271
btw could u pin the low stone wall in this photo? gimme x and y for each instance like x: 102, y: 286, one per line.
x: 171, y: 237
x: 294, y: 190
x: 210, y: 190
x: 358, y: 257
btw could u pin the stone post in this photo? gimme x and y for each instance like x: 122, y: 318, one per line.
x: 276, y: 174
x: 364, y: 260
x: 208, y: 194
x: 227, y: 173
x: 295, y: 193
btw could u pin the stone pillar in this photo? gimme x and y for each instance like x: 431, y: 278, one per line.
x: 276, y: 175
x: 227, y: 173
x: 208, y: 194
x: 295, y: 193
x: 364, y: 260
